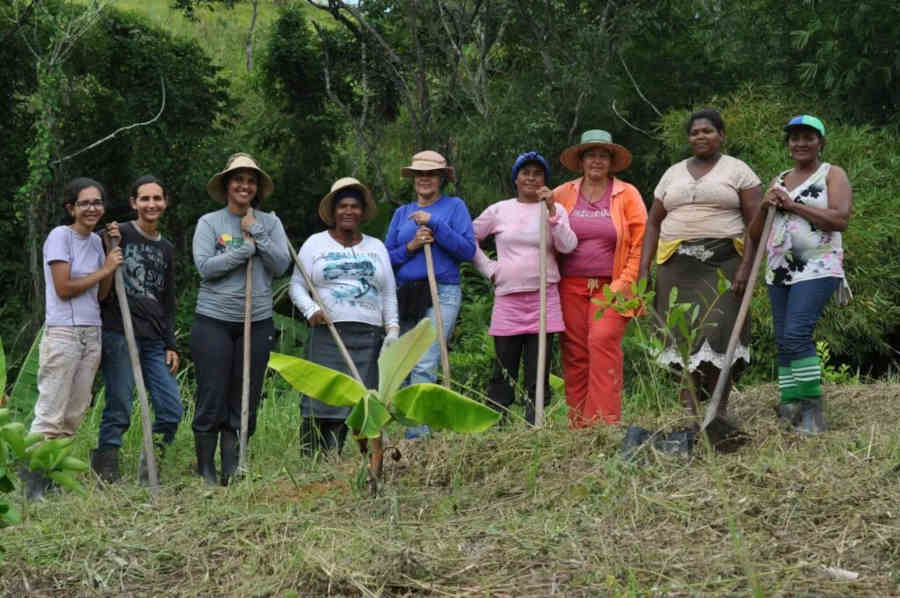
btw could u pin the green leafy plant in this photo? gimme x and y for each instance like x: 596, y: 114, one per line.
x: 21, y: 448
x: 835, y: 375
x: 373, y: 409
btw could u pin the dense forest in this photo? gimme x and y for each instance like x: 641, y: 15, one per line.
x: 322, y: 89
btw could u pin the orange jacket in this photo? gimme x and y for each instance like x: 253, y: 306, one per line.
x: 629, y: 216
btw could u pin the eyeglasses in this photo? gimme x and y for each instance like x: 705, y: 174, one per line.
x: 88, y: 203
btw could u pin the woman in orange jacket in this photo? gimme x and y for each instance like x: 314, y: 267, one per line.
x: 608, y: 217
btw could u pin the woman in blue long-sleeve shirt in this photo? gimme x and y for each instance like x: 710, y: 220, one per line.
x: 444, y: 222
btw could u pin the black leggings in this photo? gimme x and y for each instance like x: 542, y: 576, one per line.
x: 510, y: 352
x: 217, y: 348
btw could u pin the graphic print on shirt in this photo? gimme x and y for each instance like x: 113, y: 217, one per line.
x: 601, y: 213
x: 144, y: 271
x: 226, y: 242
x: 351, y: 278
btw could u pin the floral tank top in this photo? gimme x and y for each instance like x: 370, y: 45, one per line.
x: 797, y: 250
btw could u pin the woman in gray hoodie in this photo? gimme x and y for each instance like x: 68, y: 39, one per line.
x: 223, y: 243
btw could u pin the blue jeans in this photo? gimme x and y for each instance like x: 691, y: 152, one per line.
x: 449, y: 298
x: 796, y: 310
x: 119, y: 380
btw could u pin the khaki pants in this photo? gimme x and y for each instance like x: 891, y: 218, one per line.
x: 69, y: 358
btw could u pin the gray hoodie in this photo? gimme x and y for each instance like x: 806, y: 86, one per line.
x: 221, y: 255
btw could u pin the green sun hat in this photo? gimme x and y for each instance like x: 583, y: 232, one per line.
x: 571, y: 156
x: 806, y: 120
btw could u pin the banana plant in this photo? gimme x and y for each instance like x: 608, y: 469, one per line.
x: 21, y: 448
x: 372, y: 409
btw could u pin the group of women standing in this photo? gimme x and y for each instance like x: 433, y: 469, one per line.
x: 705, y: 221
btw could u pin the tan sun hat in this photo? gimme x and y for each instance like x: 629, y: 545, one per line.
x: 326, y: 212
x: 571, y: 156
x: 216, y: 189
x: 429, y: 161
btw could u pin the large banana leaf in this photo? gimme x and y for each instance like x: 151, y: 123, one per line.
x: 395, y: 362
x: 368, y: 417
x: 440, y: 407
x: 318, y: 381
x: 24, y: 392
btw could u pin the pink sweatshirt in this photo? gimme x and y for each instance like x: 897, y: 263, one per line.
x: 515, y: 226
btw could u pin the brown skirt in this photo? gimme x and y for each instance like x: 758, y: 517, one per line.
x: 694, y: 271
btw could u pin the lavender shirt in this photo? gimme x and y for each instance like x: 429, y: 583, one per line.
x: 85, y: 256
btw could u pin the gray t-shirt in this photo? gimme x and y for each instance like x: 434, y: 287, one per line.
x: 85, y: 256
x: 221, y: 255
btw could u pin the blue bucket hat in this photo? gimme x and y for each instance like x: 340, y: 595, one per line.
x: 806, y: 120
x: 527, y: 157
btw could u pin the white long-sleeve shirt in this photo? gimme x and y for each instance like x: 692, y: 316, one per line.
x: 355, y: 283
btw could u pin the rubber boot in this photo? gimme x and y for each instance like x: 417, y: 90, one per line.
x: 228, y: 446
x: 105, y: 464
x: 206, y: 456
x: 812, y: 420
x: 790, y: 413
x: 36, y: 484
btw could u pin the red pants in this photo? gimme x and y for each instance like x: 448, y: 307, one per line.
x: 591, y: 354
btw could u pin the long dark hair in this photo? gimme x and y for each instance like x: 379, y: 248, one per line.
x: 71, y: 191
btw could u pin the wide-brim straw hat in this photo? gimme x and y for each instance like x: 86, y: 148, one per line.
x: 216, y: 189
x: 571, y: 156
x: 429, y: 161
x: 326, y: 210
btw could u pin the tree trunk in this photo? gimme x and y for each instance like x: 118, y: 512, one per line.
x: 249, y: 47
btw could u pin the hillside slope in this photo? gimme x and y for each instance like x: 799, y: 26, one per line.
x: 511, y: 512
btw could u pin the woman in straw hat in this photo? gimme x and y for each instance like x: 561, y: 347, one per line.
x: 354, y: 279
x: 442, y: 221
x: 697, y: 229
x: 223, y: 243
x: 515, y: 323
x: 805, y: 265
x: 608, y: 217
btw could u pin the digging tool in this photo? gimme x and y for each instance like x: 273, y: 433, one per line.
x: 245, y: 374
x: 147, y: 428
x: 725, y: 372
x: 542, y: 325
x: 435, y: 301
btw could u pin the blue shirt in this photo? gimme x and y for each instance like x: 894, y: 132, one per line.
x: 454, y: 240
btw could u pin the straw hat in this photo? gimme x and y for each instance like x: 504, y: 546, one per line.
x: 326, y: 211
x: 571, y: 156
x: 216, y: 189
x: 429, y: 161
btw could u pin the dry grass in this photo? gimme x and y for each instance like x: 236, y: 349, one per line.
x: 507, y: 513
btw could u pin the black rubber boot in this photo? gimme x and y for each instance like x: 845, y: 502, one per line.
x: 105, y: 464
x: 36, y: 484
x: 206, y: 456
x: 228, y: 446
x: 812, y: 420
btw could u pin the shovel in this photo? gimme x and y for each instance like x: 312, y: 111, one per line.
x: 435, y: 302
x: 725, y: 372
x: 128, y: 325
x: 542, y: 325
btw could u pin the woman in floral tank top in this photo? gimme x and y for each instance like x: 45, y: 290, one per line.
x: 805, y: 265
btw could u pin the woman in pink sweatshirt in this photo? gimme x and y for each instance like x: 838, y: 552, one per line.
x: 515, y: 224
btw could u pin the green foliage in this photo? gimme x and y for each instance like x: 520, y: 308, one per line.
x: 24, y: 393
x: 373, y: 409
x: 21, y: 448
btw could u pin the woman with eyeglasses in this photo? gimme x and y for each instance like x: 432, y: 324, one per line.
x: 77, y: 275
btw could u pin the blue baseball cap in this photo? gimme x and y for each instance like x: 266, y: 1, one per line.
x: 806, y: 120
x: 527, y: 157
